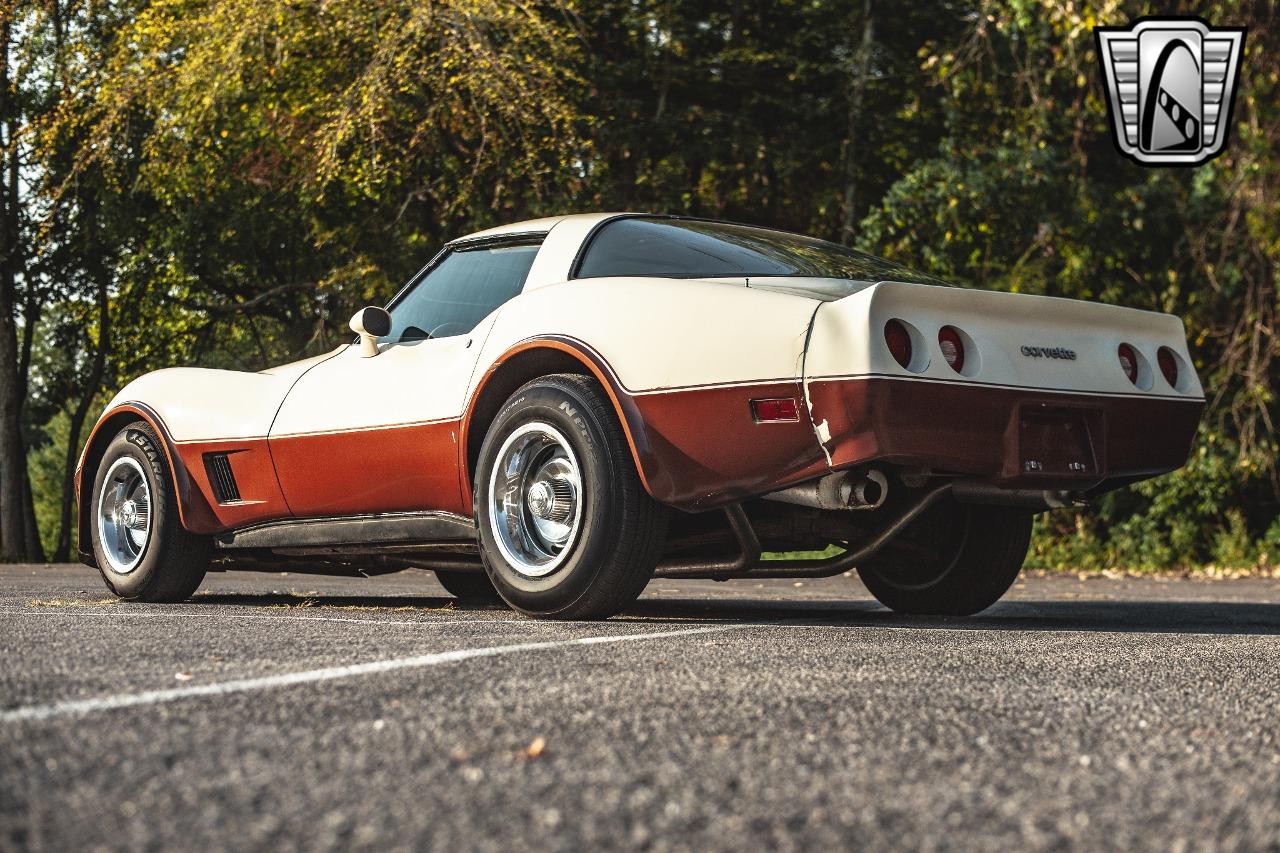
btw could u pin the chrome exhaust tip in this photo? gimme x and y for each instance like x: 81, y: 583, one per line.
x: 870, y: 491
x: 841, y: 491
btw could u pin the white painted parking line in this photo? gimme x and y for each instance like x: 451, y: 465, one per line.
x: 332, y: 673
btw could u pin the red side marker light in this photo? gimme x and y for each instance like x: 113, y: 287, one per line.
x: 775, y: 411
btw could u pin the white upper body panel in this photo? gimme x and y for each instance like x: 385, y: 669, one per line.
x: 405, y: 384
x: 559, y: 250
x: 848, y: 340
x: 564, y: 238
x: 294, y: 369
x: 658, y: 334
x: 662, y: 333
x: 199, y: 404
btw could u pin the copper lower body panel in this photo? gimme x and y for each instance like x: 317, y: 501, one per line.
x: 700, y: 448
x: 1011, y: 436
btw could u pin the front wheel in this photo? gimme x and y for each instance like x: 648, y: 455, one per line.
x: 566, y: 529
x: 955, y: 560
x: 143, y: 551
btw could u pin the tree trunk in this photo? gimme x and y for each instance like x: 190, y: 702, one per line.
x: 31, y: 529
x: 31, y: 534
x: 13, y: 460
x: 78, y: 416
x: 860, y: 71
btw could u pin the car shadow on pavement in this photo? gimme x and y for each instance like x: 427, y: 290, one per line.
x: 1176, y: 617
x: 381, y: 603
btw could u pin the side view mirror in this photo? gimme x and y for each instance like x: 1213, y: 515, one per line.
x: 370, y: 324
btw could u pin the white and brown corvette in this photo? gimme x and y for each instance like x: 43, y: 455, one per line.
x: 556, y: 411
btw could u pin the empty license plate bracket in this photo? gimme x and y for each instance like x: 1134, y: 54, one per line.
x: 1058, y: 442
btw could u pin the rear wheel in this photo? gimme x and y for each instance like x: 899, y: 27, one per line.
x: 955, y: 560
x: 142, y: 549
x: 566, y: 529
x: 473, y: 587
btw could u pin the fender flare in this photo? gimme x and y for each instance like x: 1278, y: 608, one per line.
x: 194, y: 512
x: 633, y: 425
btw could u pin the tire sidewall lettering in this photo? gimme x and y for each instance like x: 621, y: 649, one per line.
x: 583, y: 430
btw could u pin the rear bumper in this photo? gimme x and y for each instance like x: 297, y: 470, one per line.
x: 1015, y: 437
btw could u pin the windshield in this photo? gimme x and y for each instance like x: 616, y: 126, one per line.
x: 681, y: 248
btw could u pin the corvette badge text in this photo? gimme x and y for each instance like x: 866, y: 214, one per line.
x: 1170, y: 86
x: 1050, y: 352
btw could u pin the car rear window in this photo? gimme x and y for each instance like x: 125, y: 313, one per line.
x: 686, y: 248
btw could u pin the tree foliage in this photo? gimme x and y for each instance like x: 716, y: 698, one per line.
x: 223, y: 181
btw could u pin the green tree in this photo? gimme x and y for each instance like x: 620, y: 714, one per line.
x: 222, y: 182
x: 1026, y: 192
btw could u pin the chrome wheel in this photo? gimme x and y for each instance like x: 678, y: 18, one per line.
x: 124, y: 515
x: 536, y: 499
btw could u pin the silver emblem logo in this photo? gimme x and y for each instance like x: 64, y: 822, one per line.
x: 1170, y: 84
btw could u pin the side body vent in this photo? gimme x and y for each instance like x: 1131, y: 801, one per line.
x: 221, y: 478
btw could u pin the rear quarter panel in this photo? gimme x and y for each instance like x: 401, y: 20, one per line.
x: 659, y: 334
x: 683, y: 359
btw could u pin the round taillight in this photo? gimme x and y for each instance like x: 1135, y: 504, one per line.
x: 898, y: 339
x: 1129, y: 362
x: 1168, y: 365
x: 952, y: 346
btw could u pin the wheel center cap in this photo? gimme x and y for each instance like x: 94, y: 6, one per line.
x: 128, y: 512
x: 540, y: 499
x: 551, y: 500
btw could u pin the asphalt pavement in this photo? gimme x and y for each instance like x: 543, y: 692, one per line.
x: 290, y: 711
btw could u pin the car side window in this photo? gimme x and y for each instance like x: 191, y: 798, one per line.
x: 462, y: 289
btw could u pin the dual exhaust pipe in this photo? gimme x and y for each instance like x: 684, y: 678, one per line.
x: 868, y: 490
x: 843, y: 491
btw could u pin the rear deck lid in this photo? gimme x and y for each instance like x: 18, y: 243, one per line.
x: 1009, y: 340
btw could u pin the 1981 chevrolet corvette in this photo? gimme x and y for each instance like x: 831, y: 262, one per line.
x: 553, y: 412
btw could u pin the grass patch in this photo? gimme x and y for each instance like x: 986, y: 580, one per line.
x: 830, y: 551
x: 1209, y: 572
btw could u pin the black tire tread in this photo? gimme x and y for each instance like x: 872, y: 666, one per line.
x: 641, y: 526
x: 989, y: 562
x: 182, y: 558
